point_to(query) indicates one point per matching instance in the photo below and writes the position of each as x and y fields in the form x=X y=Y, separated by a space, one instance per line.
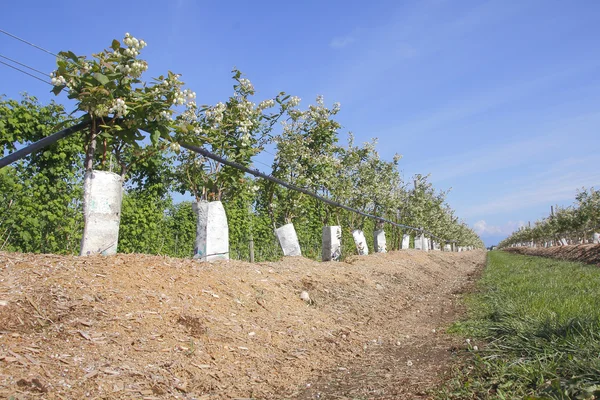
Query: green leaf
x=101 y=78
x=72 y=56
x=115 y=44
x=155 y=136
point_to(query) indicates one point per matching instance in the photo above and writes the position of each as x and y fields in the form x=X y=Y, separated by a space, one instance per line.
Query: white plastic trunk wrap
x=405 y=241
x=212 y=231
x=332 y=243
x=102 y=197
x=360 y=242
x=419 y=242
x=596 y=238
x=288 y=240
x=379 y=241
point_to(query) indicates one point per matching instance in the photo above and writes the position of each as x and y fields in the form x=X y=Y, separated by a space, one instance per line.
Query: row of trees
x=135 y=130
x=574 y=223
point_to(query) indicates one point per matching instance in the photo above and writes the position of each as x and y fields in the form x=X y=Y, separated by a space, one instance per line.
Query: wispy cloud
x=549 y=142
x=488 y=159
x=558 y=188
x=341 y=41
x=483 y=229
x=414 y=31
x=468 y=106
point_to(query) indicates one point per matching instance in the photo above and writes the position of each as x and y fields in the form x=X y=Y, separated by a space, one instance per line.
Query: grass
x=536 y=322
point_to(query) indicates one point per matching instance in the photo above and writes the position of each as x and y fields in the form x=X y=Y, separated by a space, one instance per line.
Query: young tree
x=125 y=112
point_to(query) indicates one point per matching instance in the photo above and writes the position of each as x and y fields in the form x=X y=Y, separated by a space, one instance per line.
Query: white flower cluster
x=134 y=45
x=294 y=101
x=216 y=113
x=58 y=80
x=246 y=120
x=266 y=104
x=336 y=107
x=186 y=96
x=135 y=69
x=246 y=85
x=244 y=127
x=119 y=108
x=165 y=116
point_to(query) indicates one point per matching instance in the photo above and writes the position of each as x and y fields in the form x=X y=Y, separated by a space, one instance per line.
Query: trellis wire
x=270 y=178
x=19 y=154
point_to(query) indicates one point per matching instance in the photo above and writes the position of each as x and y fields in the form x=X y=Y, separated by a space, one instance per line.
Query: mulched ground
x=138 y=326
x=585 y=253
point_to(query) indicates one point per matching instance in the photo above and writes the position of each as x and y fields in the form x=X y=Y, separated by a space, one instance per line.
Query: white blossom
x=246 y=85
x=119 y=108
x=294 y=101
x=59 y=81
x=266 y=104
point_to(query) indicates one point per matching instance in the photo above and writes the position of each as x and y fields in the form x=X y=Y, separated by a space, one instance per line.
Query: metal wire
x=25 y=72
x=271 y=178
x=24 y=65
x=29 y=43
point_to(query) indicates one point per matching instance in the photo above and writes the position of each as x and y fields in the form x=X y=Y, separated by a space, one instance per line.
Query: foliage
x=576 y=222
x=305 y=158
x=138 y=124
x=40 y=209
x=109 y=88
x=540 y=319
x=235 y=130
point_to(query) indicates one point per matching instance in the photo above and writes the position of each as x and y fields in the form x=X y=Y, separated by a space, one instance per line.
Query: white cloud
x=482 y=228
x=547 y=142
x=341 y=41
x=558 y=188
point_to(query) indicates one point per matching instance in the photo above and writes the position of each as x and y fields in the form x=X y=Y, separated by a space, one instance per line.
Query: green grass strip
x=536 y=323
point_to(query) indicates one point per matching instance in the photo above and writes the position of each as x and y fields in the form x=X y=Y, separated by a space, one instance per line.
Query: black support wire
x=25 y=72
x=270 y=178
x=47 y=141
x=29 y=43
x=24 y=65
x=42 y=143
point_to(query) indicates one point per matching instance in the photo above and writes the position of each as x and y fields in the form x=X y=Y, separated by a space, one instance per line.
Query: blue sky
x=499 y=100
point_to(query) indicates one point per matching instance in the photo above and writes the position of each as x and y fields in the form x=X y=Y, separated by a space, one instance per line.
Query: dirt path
x=135 y=326
x=411 y=354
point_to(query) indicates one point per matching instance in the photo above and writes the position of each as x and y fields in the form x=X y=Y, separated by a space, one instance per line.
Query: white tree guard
x=379 y=241
x=426 y=244
x=288 y=240
x=596 y=238
x=360 y=242
x=563 y=241
x=405 y=241
x=212 y=231
x=332 y=243
x=419 y=242
x=447 y=247
x=102 y=197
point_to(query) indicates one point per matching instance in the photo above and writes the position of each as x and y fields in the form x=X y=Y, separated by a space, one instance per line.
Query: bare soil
x=138 y=326
x=585 y=253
